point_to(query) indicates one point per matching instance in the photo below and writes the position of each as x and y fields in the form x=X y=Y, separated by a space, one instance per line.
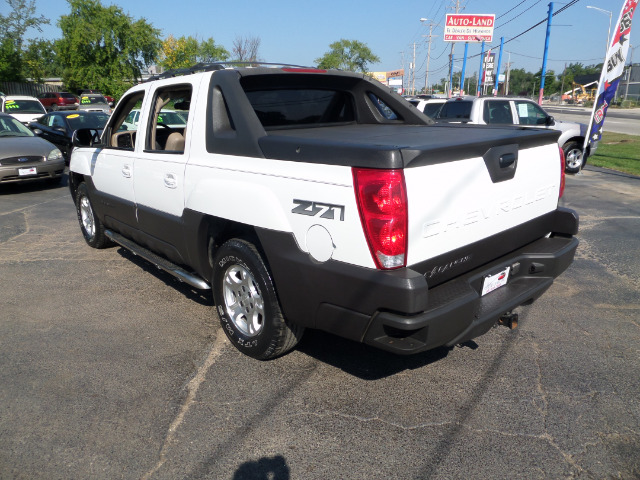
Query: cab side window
x=167 y=127
x=530 y=114
x=497 y=112
x=122 y=133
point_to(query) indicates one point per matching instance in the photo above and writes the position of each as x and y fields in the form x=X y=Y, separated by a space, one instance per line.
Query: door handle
x=126 y=171
x=170 y=181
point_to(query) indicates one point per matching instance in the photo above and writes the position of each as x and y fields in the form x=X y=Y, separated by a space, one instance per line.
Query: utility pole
x=413 y=68
x=546 y=51
x=629 y=70
x=564 y=72
x=506 y=89
x=457 y=9
x=431 y=25
x=402 y=56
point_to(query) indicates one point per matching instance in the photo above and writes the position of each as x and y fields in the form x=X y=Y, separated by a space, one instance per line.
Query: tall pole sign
x=469 y=28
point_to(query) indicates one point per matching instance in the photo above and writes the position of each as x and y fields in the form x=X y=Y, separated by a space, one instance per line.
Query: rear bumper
x=457 y=312
x=398 y=310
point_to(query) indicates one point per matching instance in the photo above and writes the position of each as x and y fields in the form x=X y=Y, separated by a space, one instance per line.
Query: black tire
x=247 y=303
x=573 y=157
x=90 y=225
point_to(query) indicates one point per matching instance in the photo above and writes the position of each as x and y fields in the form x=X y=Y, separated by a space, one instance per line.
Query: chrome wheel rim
x=243 y=300
x=574 y=158
x=86 y=216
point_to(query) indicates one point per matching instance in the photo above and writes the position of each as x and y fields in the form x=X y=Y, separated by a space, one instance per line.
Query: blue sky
x=298 y=32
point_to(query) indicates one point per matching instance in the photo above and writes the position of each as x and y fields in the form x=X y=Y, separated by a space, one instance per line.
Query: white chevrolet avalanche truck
x=306 y=198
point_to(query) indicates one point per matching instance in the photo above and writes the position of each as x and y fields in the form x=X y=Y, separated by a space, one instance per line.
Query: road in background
x=617 y=121
x=110 y=368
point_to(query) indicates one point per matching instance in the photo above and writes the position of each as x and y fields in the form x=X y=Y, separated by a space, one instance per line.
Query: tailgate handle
x=507 y=160
x=501 y=162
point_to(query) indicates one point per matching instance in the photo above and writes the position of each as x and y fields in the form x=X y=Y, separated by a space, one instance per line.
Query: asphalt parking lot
x=110 y=368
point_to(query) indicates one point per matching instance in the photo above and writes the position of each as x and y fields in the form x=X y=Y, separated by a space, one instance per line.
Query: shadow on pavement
x=363 y=361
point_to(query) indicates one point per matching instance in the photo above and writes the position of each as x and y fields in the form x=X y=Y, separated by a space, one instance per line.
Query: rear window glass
x=67 y=95
x=456 y=109
x=77 y=120
x=291 y=107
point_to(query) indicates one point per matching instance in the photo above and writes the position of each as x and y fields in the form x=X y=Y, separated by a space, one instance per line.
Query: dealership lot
x=110 y=368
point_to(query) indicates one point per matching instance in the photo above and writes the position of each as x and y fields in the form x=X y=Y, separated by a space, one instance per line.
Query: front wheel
x=247 y=303
x=90 y=225
x=573 y=157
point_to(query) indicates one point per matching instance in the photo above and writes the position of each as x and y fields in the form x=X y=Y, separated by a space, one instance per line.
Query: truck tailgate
x=460 y=210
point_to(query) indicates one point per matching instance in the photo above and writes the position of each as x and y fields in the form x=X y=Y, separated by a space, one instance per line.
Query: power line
x=511 y=10
x=520 y=14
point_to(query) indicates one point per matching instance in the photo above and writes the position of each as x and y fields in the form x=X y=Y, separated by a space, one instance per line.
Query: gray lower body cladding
x=398 y=310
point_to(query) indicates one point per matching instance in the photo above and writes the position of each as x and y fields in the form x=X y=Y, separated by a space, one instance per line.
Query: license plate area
x=495 y=281
x=23 y=172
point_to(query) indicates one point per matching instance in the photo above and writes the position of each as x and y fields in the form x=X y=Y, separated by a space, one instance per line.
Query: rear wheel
x=573 y=157
x=247 y=303
x=90 y=225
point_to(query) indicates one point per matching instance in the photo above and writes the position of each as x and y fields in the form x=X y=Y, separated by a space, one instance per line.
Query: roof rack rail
x=208 y=67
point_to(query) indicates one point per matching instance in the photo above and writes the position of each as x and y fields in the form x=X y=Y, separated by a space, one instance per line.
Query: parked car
x=110 y=99
x=25 y=157
x=430 y=107
x=53 y=101
x=169 y=118
x=25 y=109
x=522 y=112
x=59 y=127
x=94 y=102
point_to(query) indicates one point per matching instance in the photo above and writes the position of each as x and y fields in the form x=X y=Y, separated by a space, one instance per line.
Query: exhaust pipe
x=509 y=319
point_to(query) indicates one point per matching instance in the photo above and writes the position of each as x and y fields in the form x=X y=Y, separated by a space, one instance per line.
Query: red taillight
x=382 y=203
x=562 y=175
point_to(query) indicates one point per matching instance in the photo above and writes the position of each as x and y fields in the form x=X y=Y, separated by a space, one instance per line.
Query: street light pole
x=609 y=31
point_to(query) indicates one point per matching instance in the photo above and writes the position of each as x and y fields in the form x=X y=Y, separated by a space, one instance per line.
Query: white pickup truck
x=523 y=113
x=306 y=198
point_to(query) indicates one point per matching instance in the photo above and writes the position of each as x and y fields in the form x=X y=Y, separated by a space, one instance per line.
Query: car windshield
x=10 y=127
x=86 y=100
x=77 y=121
x=456 y=109
x=23 y=106
x=171 y=118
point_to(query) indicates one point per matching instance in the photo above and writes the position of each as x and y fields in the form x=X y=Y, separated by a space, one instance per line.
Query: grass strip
x=618 y=152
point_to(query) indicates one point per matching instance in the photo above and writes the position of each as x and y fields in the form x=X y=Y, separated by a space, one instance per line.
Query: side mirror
x=37 y=131
x=60 y=129
x=86 y=137
x=550 y=121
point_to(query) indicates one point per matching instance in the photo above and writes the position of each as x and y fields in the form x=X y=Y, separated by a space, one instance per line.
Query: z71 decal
x=311 y=209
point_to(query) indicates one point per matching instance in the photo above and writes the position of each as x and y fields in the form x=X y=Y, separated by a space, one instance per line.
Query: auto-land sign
x=469 y=28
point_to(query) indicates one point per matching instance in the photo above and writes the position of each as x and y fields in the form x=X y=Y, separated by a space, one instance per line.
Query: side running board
x=162 y=263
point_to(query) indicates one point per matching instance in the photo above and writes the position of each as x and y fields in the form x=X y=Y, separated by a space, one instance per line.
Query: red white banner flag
x=612 y=72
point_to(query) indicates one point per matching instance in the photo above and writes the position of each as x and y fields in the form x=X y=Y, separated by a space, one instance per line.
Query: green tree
x=12 y=29
x=184 y=52
x=350 y=55
x=104 y=48
x=209 y=52
x=39 y=60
